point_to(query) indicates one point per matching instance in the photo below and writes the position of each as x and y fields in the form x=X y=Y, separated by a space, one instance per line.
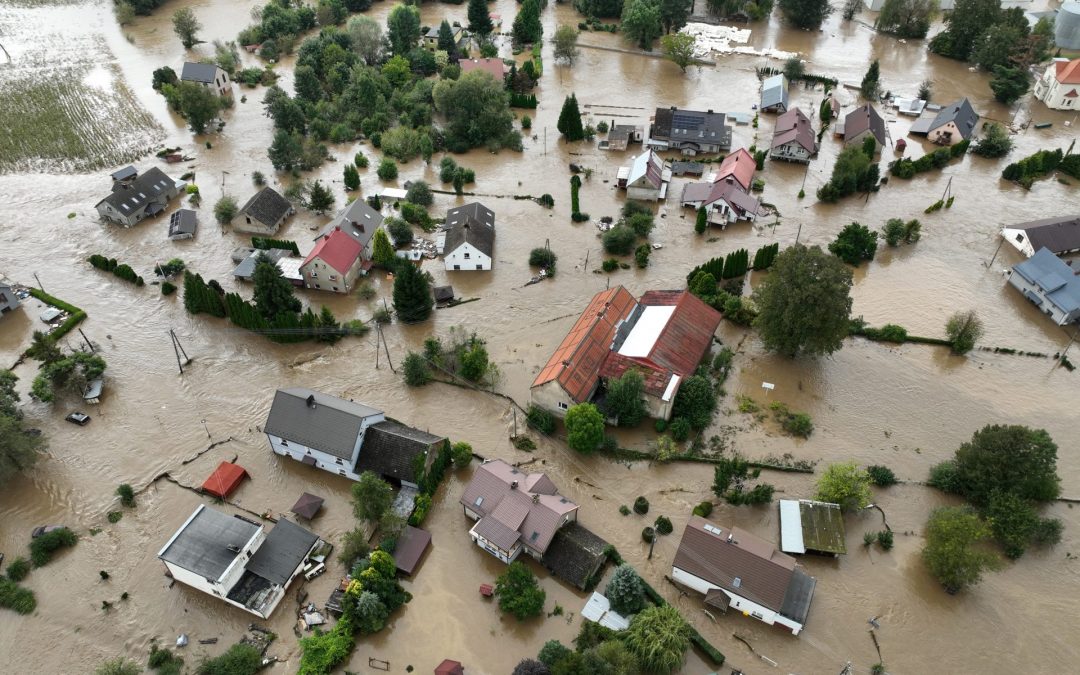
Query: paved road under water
x=907 y=407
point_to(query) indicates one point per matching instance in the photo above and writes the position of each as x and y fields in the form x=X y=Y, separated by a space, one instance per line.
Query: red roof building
x=494 y=66
x=664 y=336
x=741 y=166
x=449 y=667
x=225 y=479
x=334 y=263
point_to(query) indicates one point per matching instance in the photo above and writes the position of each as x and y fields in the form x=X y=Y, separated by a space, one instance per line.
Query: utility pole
x=948 y=188
x=798 y=234
x=223 y=174
x=88 y=344
x=545 y=140
x=207 y=430
x=1071 y=341
x=178 y=349
x=996 y=252
x=39 y=282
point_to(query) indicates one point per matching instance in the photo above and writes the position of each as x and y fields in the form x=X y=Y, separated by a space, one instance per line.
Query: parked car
x=78 y=418
x=44 y=529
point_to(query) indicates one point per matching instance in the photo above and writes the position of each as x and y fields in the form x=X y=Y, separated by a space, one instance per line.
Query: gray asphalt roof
x=1056 y=279
x=125 y=173
x=202 y=545
x=282 y=552
x=800 y=592
x=358 y=220
x=774 y=91
x=129 y=199
x=182 y=221
x=1057 y=234
x=198 y=72
x=473 y=223
x=332 y=426
x=961 y=113
x=267 y=206
x=691 y=125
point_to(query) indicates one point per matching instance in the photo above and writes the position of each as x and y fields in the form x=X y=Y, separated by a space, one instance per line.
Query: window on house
x=338 y=461
x=284 y=443
x=457 y=267
x=563 y=406
x=341 y=472
x=332 y=277
x=479 y=267
x=466 y=256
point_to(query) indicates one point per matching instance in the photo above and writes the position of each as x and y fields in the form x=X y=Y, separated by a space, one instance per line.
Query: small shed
x=307 y=506
x=449 y=667
x=810 y=526
x=598 y=610
x=225 y=479
x=92 y=393
x=410 y=548
x=390 y=195
x=443 y=293
x=774 y=94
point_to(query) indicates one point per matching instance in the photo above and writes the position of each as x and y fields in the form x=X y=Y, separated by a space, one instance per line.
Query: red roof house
x=334 y=263
x=740 y=165
x=664 y=336
x=449 y=667
x=225 y=479
x=494 y=66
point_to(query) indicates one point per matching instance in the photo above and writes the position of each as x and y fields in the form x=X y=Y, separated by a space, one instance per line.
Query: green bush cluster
x=766 y=71
x=1033 y=166
x=764 y=256
x=703 y=509
x=855 y=170
x=266 y=243
x=540 y=419
x=16 y=598
x=18 y=568
x=170 y=269
x=575 y=212
x=168 y=288
x=119 y=269
x=907 y=168
x=43 y=547
x=641 y=505
x=663 y=525
x=518 y=100
x=794 y=423
x=423 y=505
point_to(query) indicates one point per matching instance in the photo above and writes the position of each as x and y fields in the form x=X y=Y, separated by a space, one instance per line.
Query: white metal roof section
x=791 y=535
x=672 y=385
x=598 y=610
x=649 y=325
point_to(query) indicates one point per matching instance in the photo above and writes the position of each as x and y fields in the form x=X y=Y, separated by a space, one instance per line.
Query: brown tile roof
x=494 y=66
x=1068 y=72
x=764 y=573
x=410 y=548
x=576 y=362
x=510 y=513
x=862 y=118
x=740 y=165
x=688 y=333
x=794 y=126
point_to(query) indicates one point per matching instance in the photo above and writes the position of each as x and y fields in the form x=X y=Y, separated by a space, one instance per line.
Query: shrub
x=610 y=265
x=423 y=505
x=164 y=661
x=18 y=568
x=648 y=535
x=641 y=506
x=868 y=539
x=387 y=169
x=225 y=209
x=462 y=454
x=43 y=547
x=415 y=368
x=944 y=477
x=168 y=288
x=885 y=539
x=126 y=494
x=663 y=525
x=16 y=598
x=526 y=122
x=882 y=476
x=400 y=231
x=584 y=427
x=619 y=240
x=542 y=257
x=680 y=429
x=844 y=484
x=951 y=552
x=519 y=593
x=703 y=509
x=854 y=244
x=540 y=419
x=624 y=510
x=625 y=591
x=419 y=192
x=354 y=546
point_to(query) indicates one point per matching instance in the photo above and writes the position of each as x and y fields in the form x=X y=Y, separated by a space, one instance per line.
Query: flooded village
x=261 y=451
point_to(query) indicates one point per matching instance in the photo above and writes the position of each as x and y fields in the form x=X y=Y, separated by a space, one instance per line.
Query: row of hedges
x=76 y=315
x=907 y=168
x=1033 y=166
x=736 y=263
x=265 y=244
x=119 y=269
x=522 y=100
x=764 y=257
x=829 y=82
x=891 y=333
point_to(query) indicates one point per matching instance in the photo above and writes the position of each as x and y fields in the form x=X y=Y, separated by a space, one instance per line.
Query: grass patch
x=16 y=598
x=56 y=120
x=42 y=548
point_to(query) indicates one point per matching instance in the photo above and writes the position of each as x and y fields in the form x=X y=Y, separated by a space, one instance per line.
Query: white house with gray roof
x=236 y=560
x=470 y=238
x=264 y=213
x=359 y=221
x=953 y=123
x=208 y=75
x=347 y=438
x=8 y=300
x=1050 y=284
x=136 y=198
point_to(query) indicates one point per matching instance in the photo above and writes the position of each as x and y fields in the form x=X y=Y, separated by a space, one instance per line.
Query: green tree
x=19 y=450
x=118 y=666
x=871 y=82
x=320 y=198
x=794 y=69
x=730 y=477
x=480 y=18
x=1009 y=83
x=387 y=169
x=239 y=659
x=964 y=329
x=996 y=142
x=679 y=48
x=806 y=13
x=898 y=232
x=351 y=178
x=462 y=454
x=855 y=171
x=446 y=41
x=565 y=42
x=371 y=497
x=382 y=250
x=416 y=370
x=413 y=301
x=366 y=37
x=474 y=361
x=527 y=28
x=641 y=22
x=419 y=192
x=624 y=400
x=286 y=150
x=552 y=652
x=854 y=244
x=1010 y=459
x=584 y=427
x=695 y=401
x=225 y=209
x=625 y=591
x=71 y=374
x=804 y=305
x=619 y=240
x=403 y=28
x=531 y=667
x=477 y=110
x=906 y=18
x=845 y=484
x=186 y=26
x=198 y=105
x=951 y=551
x=702 y=220
x=370 y=613
x=569 y=124
x=519 y=593
x=659 y=638
x=997 y=45
x=273 y=293
x=963 y=26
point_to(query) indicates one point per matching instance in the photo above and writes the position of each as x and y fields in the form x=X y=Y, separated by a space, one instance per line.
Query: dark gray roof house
x=280 y=553
x=471 y=228
x=263 y=213
x=127 y=173
x=390 y=450
x=135 y=199
x=575 y=554
x=182 y=224
x=954 y=123
x=319 y=421
x=204 y=73
x=8 y=299
x=690 y=131
x=862 y=122
x=204 y=546
x=1059 y=235
x=359 y=221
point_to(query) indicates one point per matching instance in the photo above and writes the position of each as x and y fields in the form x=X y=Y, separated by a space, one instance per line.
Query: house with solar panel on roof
x=236 y=559
x=689 y=131
x=136 y=196
x=663 y=335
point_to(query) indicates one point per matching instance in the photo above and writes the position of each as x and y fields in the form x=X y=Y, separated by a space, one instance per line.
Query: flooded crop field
x=906 y=406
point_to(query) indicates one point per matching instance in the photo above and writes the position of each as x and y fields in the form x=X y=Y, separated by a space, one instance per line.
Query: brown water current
x=904 y=406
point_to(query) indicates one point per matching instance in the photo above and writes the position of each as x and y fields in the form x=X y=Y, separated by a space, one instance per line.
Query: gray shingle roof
x=130 y=199
x=960 y=113
x=473 y=223
x=267 y=206
x=198 y=72
x=284 y=548
x=127 y=173
x=774 y=92
x=575 y=554
x=1060 y=235
x=691 y=125
x=202 y=545
x=246 y=269
x=391 y=448
x=332 y=426
x=862 y=118
x=182 y=221
x=358 y=220
x=8 y=299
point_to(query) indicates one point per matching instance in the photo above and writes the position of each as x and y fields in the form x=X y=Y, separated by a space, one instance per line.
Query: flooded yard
x=904 y=406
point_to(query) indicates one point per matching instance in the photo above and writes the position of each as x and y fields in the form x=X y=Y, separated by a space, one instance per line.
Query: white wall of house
x=857 y=140
x=748 y=608
x=1059 y=316
x=552 y=397
x=324 y=460
x=946 y=134
x=245 y=223
x=502 y=554
x=317 y=274
x=467 y=257
x=642 y=190
x=1019 y=240
x=790 y=151
x=1052 y=93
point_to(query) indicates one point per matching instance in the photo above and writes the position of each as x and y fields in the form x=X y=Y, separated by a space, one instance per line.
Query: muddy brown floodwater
x=907 y=406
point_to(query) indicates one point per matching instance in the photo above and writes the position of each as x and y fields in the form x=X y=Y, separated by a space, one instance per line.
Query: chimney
x=311 y=401
x=536 y=499
x=729 y=537
x=513 y=485
x=710 y=111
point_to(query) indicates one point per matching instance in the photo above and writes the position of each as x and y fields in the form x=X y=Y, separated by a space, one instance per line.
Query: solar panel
x=687 y=121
